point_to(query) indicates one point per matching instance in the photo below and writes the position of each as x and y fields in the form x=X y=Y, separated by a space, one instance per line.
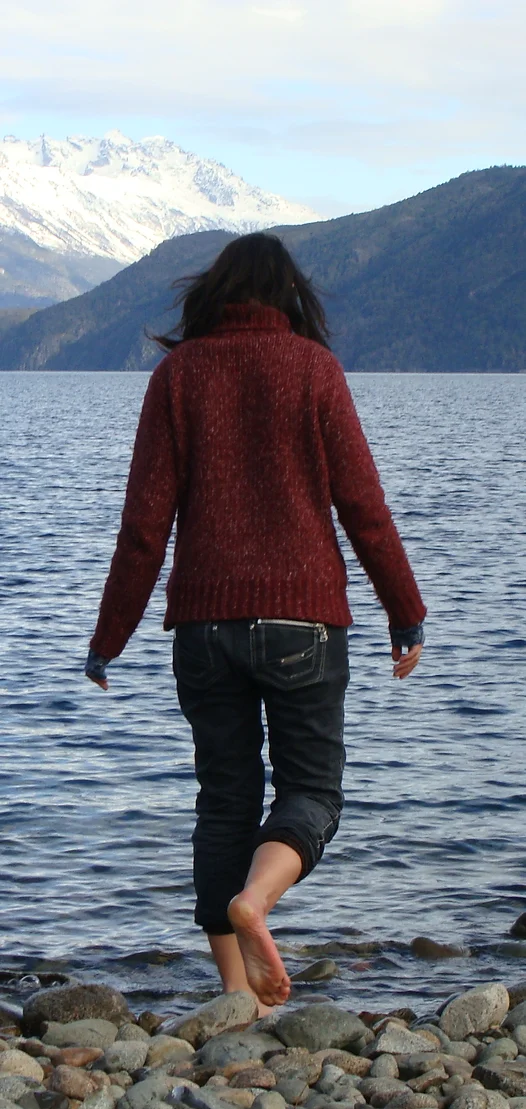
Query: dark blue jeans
x=225 y=671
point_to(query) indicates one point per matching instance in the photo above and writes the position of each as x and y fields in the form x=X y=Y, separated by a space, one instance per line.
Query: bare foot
x=265 y=971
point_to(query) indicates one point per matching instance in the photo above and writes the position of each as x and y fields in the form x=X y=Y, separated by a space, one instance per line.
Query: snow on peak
x=117 y=198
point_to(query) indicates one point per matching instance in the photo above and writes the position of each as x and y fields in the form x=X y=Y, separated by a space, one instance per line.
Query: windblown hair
x=255 y=267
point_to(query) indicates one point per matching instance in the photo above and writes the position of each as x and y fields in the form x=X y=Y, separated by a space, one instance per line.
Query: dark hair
x=255 y=267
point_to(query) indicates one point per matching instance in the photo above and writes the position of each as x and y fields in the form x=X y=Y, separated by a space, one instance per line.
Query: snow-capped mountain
x=117 y=199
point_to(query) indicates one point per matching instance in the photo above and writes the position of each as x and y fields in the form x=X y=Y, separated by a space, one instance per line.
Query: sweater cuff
x=407 y=637
x=96 y=665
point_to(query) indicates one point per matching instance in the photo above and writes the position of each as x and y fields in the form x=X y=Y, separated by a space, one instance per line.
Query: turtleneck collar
x=252 y=317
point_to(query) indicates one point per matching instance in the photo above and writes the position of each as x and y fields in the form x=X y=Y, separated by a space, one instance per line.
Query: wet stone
x=320 y=971
x=64 y=1004
x=424 y=948
x=318 y=1026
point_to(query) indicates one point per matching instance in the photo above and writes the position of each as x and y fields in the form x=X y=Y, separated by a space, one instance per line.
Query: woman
x=248 y=434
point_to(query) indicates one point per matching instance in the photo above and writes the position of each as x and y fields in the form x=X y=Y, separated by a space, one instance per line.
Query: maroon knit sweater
x=248 y=436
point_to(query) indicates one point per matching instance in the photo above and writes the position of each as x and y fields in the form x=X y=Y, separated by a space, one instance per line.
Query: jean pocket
x=292 y=654
x=194 y=661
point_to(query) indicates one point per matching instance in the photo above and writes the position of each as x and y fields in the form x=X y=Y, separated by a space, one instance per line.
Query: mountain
x=436 y=282
x=73 y=213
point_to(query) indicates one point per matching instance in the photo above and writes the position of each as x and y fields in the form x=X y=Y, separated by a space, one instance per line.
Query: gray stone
x=517 y=993
x=473 y=1098
x=411 y=1066
x=409 y=1100
x=17 y=1062
x=513 y=1102
x=228 y=1011
x=126 y=1055
x=92 y=1032
x=43 y=1099
x=431 y=1078
x=235 y=1047
x=271 y=1099
x=504 y=1048
x=384 y=1088
x=475 y=1011
x=329 y=1075
x=384 y=1066
x=320 y=971
x=294 y=1090
x=395 y=1040
x=133 y=1032
x=508 y=1077
x=64 y=1004
x=101 y=1099
x=5 y=1103
x=13 y=1088
x=462 y=1050
x=296 y=1063
x=345 y=1090
x=428 y=1026
x=455 y=1065
x=319 y=1026
x=167 y=1049
x=148 y=1093
x=516 y=1016
x=519 y=1036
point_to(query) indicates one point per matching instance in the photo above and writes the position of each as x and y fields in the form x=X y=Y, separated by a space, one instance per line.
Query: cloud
x=378 y=80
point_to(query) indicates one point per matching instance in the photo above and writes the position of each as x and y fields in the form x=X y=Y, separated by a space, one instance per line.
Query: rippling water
x=96 y=804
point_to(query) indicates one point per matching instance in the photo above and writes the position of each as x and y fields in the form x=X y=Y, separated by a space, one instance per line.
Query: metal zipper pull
x=324 y=635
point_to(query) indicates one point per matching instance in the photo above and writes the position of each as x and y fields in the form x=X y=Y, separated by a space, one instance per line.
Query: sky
x=344 y=105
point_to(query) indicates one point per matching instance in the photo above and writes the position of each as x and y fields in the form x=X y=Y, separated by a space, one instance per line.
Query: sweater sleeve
x=359 y=500
x=147 y=519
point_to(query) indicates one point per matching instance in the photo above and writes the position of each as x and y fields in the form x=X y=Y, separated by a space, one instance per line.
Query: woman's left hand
x=95 y=669
x=405 y=664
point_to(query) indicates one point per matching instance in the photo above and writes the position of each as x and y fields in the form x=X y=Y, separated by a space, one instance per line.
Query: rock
x=411 y=1066
x=234 y=1047
x=504 y=1049
x=5 y=1103
x=425 y=948
x=36 y=1048
x=384 y=1066
x=329 y=1075
x=231 y=1069
x=516 y=1016
x=64 y=1004
x=150 y=1093
x=508 y=1077
x=409 y=1100
x=260 y=1077
x=296 y=1063
x=517 y=993
x=214 y=1099
x=475 y=1011
x=72 y=1082
x=351 y=1064
x=462 y=1050
x=424 y=1082
x=454 y=1064
x=101 y=1099
x=273 y=1100
x=164 y=1049
x=294 y=1090
x=129 y=1031
x=519 y=1037
x=43 y=1099
x=126 y=1055
x=241 y=1098
x=217 y=1080
x=395 y=1040
x=427 y=1026
x=21 y=1064
x=150 y=1022
x=228 y=1011
x=77 y=1056
x=518 y=929
x=121 y=1079
x=382 y=1089
x=91 y=1032
x=513 y=1102
x=473 y=1098
x=320 y=971
x=319 y=1026
x=12 y=1087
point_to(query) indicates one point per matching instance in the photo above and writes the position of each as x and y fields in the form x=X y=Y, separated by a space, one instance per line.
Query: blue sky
x=343 y=104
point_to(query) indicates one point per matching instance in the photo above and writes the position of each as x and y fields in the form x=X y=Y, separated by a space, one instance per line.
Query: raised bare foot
x=264 y=968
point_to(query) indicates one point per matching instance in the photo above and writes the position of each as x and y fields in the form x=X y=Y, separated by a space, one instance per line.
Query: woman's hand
x=405 y=664
x=96 y=669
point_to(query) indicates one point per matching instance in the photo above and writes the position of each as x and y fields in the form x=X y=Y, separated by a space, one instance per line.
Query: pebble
x=93 y=1032
x=409 y=1100
x=384 y=1066
x=18 y=1062
x=425 y=948
x=272 y=1100
x=320 y=971
x=127 y=1055
x=260 y=1077
x=351 y=1064
x=149 y=1092
x=225 y=1012
x=233 y=1047
x=64 y=1004
x=507 y=1077
x=102 y=1099
x=475 y=1011
x=462 y=1050
x=72 y=1082
x=294 y=1090
x=319 y=1026
x=519 y=1036
x=383 y=1088
x=395 y=1040
x=504 y=1048
x=296 y=1063
x=76 y=1056
x=13 y=1087
x=163 y=1049
x=133 y=1032
x=516 y=1016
